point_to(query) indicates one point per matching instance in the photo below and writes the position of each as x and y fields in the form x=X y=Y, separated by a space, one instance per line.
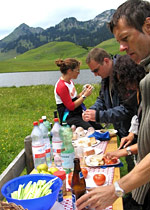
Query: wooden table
x=111 y=146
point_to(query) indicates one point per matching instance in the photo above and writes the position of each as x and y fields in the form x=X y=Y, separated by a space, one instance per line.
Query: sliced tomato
x=109 y=161
x=99 y=179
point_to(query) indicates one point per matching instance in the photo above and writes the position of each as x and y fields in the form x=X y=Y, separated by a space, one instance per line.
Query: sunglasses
x=96 y=70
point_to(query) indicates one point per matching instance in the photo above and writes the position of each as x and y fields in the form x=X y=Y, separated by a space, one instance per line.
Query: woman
x=70 y=105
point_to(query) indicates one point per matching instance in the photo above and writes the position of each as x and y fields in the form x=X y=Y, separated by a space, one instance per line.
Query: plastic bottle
x=68 y=154
x=49 y=126
x=38 y=149
x=46 y=141
x=56 y=143
x=78 y=185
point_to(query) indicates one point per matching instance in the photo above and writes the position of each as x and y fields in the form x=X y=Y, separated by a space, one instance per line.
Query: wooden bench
x=23 y=160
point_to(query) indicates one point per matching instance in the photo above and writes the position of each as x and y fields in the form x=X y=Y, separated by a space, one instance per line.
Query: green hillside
x=111 y=46
x=43 y=58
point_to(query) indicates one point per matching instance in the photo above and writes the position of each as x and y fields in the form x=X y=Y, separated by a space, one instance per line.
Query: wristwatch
x=83 y=96
x=129 y=151
x=118 y=190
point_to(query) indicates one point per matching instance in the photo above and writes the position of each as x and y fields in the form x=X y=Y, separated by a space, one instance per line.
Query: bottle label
x=57 y=147
x=74 y=201
x=80 y=175
x=67 y=159
x=60 y=196
x=38 y=151
x=47 y=145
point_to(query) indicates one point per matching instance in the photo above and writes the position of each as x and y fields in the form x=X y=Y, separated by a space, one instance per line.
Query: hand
x=98 y=198
x=88 y=91
x=125 y=141
x=116 y=153
x=89 y=115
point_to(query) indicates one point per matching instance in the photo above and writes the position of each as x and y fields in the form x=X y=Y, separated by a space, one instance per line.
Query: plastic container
x=46 y=141
x=38 y=148
x=56 y=140
x=62 y=192
x=45 y=202
x=68 y=154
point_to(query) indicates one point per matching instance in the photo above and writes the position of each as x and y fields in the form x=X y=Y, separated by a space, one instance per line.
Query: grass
x=19 y=107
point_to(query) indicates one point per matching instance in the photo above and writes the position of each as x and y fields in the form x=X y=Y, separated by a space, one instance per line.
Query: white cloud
x=47 y=13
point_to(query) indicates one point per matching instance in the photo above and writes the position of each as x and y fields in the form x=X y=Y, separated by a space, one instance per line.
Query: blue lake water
x=43 y=78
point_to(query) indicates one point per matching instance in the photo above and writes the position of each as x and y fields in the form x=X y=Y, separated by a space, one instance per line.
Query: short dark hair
x=126 y=71
x=68 y=63
x=135 y=13
x=98 y=55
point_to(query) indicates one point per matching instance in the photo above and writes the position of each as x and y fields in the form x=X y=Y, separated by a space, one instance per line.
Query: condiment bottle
x=78 y=185
x=62 y=176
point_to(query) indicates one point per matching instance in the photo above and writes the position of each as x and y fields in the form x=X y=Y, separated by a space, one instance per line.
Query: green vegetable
x=33 y=190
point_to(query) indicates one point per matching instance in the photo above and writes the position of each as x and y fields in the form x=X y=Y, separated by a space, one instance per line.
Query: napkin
x=100 y=136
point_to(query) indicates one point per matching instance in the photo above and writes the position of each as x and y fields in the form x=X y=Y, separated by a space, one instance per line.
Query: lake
x=43 y=78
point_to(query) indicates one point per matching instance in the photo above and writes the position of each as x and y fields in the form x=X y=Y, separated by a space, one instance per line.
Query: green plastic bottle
x=68 y=154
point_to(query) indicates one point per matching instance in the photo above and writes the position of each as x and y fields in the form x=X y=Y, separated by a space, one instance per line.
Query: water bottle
x=56 y=143
x=46 y=141
x=38 y=148
x=68 y=154
x=49 y=126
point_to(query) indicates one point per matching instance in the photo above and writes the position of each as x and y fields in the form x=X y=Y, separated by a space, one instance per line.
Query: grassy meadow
x=19 y=107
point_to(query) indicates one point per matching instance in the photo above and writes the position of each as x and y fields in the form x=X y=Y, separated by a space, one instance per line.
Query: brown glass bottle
x=78 y=185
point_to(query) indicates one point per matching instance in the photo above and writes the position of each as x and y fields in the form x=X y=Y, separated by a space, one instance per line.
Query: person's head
x=127 y=75
x=130 y=25
x=69 y=66
x=100 y=62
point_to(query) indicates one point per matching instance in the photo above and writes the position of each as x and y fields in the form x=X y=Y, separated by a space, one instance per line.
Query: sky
x=47 y=13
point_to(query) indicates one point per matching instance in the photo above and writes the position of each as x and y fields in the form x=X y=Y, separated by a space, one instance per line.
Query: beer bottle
x=78 y=185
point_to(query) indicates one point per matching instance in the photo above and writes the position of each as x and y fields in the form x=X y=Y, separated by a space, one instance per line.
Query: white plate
x=88 y=163
x=89 y=180
x=77 y=142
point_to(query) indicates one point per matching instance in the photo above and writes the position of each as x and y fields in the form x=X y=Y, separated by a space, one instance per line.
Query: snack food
x=89 y=151
x=112 y=132
x=97 y=160
x=10 y=206
x=93 y=140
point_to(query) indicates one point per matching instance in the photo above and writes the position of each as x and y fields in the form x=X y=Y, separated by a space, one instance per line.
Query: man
x=131 y=27
x=109 y=107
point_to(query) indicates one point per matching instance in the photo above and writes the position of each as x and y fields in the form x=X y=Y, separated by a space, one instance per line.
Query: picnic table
x=118 y=204
x=25 y=160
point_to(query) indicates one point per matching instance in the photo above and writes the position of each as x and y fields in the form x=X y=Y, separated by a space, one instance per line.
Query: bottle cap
x=56 y=119
x=40 y=120
x=60 y=174
x=35 y=123
x=44 y=117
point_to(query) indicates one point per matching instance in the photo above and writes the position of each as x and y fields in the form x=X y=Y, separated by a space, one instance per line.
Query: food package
x=10 y=206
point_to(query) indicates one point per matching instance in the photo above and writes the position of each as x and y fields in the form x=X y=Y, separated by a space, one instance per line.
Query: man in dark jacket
x=109 y=107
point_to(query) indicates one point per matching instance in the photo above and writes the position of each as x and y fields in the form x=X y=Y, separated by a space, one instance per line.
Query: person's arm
x=101 y=197
x=63 y=93
x=122 y=152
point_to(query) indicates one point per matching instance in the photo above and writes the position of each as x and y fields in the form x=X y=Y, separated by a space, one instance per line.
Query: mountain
x=83 y=33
